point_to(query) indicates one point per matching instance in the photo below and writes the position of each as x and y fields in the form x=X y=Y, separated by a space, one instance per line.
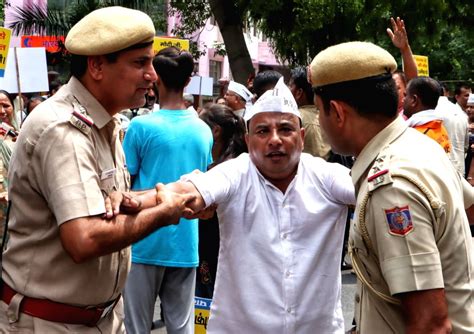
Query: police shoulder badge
x=82 y=122
x=399 y=220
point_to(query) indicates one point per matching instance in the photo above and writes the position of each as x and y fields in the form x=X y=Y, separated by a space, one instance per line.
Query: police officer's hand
x=175 y=204
x=120 y=200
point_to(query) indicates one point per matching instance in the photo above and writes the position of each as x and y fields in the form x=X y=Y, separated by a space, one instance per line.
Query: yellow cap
x=349 y=61
x=109 y=30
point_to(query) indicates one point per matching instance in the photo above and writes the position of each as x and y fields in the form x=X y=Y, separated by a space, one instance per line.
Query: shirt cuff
x=413 y=273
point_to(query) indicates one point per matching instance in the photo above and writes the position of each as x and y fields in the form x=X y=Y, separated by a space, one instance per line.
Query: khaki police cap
x=108 y=30
x=349 y=61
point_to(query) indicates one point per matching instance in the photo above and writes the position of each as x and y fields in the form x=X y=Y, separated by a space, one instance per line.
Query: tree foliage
x=299 y=29
x=33 y=19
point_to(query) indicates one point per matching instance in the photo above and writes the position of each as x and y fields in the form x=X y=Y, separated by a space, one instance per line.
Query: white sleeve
x=340 y=184
x=216 y=185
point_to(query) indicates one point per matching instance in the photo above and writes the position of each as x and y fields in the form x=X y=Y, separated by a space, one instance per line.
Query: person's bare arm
x=399 y=39
x=425 y=312
x=89 y=237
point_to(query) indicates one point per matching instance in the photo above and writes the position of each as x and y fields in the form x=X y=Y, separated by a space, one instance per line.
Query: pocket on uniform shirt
x=107 y=180
x=107 y=186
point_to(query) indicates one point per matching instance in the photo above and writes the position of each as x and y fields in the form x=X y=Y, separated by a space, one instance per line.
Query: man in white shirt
x=282 y=215
x=456 y=123
x=237 y=97
x=461 y=94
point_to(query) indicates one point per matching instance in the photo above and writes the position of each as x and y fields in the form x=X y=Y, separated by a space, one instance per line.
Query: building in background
x=213 y=63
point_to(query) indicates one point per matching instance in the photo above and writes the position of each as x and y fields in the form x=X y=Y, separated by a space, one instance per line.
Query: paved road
x=348 y=291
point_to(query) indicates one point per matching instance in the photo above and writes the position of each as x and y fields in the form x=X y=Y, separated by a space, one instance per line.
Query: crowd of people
x=123 y=190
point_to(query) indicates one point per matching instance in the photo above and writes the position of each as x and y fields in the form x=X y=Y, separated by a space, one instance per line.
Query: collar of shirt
x=310 y=107
x=270 y=184
x=94 y=109
x=373 y=148
x=240 y=112
x=424 y=117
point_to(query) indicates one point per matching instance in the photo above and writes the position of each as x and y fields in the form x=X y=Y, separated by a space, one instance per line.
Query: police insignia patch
x=399 y=220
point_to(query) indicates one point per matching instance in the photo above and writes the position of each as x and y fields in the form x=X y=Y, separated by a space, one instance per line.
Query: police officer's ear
x=339 y=111
x=95 y=66
x=298 y=94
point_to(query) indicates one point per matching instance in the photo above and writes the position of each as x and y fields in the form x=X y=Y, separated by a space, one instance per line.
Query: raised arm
x=399 y=39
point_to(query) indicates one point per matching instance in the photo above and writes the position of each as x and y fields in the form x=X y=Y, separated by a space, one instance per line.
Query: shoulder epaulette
x=379 y=174
x=81 y=120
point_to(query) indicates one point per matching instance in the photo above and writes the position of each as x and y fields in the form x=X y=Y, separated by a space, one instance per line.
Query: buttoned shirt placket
x=288 y=260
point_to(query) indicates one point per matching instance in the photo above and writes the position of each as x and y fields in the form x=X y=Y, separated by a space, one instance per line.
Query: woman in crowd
x=33 y=102
x=8 y=132
x=8 y=136
x=228 y=131
x=6 y=108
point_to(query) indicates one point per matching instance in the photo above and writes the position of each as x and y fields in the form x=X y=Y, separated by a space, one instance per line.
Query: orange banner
x=50 y=43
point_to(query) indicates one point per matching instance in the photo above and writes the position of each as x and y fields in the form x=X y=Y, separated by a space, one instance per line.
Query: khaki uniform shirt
x=61 y=170
x=414 y=247
x=315 y=141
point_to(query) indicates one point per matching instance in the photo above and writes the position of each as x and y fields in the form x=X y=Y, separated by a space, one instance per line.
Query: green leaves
x=33 y=19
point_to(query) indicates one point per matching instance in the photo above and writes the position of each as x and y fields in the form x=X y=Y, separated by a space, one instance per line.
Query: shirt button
x=284 y=236
x=287 y=274
x=357 y=298
x=288 y=310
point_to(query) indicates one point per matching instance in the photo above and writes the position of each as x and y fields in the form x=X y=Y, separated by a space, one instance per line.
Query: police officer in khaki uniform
x=410 y=241
x=65 y=265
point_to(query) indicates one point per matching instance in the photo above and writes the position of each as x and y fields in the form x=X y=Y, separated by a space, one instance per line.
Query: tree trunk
x=230 y=21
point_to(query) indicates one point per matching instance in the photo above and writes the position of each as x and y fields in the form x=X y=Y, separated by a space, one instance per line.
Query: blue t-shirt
x=161 y=147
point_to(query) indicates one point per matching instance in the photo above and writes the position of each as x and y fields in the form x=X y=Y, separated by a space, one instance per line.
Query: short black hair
x=373 y=97
x=78 y=65
x=264 y=81
x=300 y=80
x=427 y=90
x=443 y=88
x=174 y=67
x=458 y=88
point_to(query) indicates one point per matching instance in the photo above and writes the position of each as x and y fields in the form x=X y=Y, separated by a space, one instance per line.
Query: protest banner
x=50 y=43
x=5 y=35
x=26 y=71
x=161 y=43
x=422 y=65
x=202 y=307
x=200 y=86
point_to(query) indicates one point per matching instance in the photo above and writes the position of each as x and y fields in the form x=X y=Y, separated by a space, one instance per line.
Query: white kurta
x=280 y=254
